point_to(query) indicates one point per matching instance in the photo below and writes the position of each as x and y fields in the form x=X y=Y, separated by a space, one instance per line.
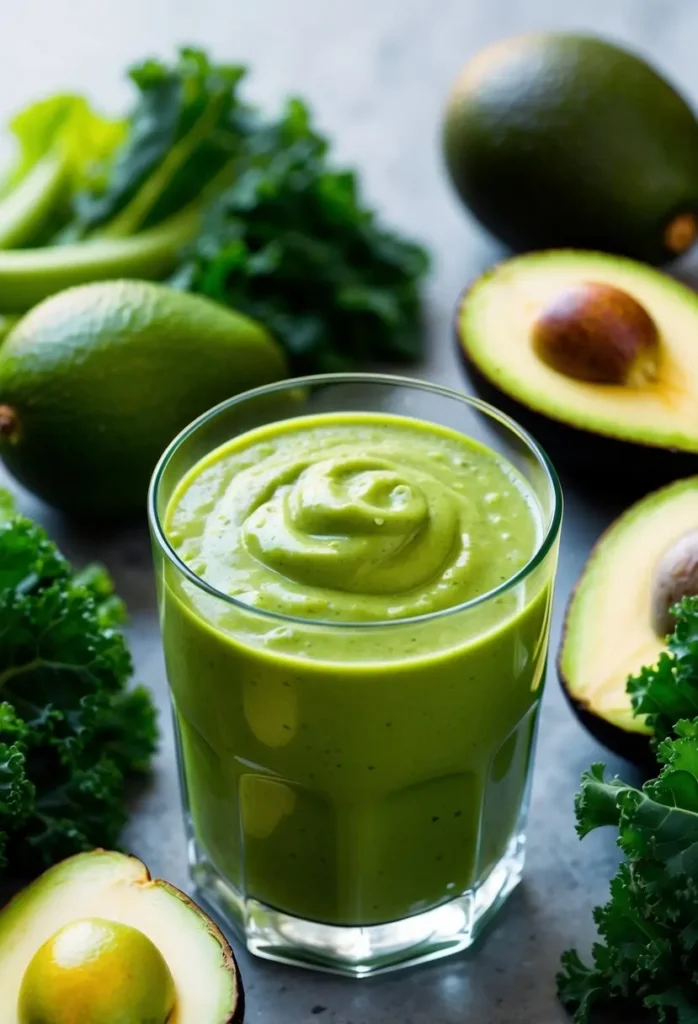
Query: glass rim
x=548 y=539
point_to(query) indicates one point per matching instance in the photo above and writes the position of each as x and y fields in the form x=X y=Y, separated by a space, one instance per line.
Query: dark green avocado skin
x=631 y=746
x=565 y=140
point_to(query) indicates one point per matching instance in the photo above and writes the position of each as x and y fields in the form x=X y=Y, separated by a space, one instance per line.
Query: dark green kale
x=647 y=956
x=290 y=244
x=71 y=733
x=668 y=691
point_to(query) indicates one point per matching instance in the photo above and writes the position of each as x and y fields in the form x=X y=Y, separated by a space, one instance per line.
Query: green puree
x=349 y=772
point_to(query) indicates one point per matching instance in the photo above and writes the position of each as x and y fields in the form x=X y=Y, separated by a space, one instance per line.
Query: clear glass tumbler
x=352 y=806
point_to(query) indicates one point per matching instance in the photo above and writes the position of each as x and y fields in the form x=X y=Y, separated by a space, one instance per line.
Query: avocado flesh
x=495 y=322
x=118 y=888
x=608 y=631
x=103 y=376
x=564 y=139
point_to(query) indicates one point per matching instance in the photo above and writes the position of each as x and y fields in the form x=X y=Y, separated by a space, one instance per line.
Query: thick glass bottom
x=358 y=951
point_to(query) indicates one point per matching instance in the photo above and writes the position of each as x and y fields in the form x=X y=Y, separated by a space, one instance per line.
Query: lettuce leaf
x=65 y=124
x=59 y=141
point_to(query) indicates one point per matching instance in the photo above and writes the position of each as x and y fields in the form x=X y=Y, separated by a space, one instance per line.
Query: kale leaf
x=71 y=733
x=183 y=132
x=668 y=691
x=290 y=244
x=647 y=954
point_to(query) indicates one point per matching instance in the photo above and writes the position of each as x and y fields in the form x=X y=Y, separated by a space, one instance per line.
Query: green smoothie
x=355 y=746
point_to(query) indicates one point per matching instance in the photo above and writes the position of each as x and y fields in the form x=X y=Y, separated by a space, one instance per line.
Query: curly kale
x=647 y=956
x=71 y=733
x=668 y=691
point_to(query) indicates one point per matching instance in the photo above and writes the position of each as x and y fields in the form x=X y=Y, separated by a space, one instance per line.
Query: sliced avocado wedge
x=117 y=888
x=596 y=354
x=614 y=626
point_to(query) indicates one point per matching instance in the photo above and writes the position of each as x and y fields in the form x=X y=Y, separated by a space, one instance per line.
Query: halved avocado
x=597 y=355
x=616 y=619
x=118 y=888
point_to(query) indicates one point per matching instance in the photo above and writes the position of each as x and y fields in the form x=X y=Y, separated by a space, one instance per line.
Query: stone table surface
x=376 y=73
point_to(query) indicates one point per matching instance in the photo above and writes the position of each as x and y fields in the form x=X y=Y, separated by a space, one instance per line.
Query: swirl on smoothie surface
x=355 y=518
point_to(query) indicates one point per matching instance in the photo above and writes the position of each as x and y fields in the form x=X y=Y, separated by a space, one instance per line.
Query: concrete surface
x=376 y=72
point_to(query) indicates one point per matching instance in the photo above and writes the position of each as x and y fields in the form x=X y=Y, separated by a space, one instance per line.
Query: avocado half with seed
x=103 y=890
x=620 y=613
x=597 y=355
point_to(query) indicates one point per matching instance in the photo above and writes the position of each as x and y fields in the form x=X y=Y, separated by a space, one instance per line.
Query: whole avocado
x=98 y=379
x=558 y=140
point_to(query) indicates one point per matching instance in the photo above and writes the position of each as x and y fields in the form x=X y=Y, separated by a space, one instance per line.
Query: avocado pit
x=598 y=333
x=9 y=423
x=675 y=577
x=681 y=233
x=99 y=971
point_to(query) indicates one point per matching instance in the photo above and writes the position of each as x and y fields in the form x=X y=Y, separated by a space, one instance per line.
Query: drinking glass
x=349 y=805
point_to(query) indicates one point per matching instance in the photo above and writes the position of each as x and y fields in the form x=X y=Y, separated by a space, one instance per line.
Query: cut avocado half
x=596 y=354
x=616 y=619
x=117 y=888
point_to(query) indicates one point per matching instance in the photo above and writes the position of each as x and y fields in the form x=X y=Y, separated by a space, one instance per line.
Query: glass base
x=358 y=952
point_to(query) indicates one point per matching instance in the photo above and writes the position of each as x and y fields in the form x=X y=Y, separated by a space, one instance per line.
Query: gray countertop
x=376 y=72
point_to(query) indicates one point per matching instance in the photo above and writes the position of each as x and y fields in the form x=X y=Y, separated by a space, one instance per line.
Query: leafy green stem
x=131 y=218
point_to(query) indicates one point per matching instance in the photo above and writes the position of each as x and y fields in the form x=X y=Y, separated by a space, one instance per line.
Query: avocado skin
x=565 y=140
x=103 y=376
x=595 y=460
x=632 y=747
